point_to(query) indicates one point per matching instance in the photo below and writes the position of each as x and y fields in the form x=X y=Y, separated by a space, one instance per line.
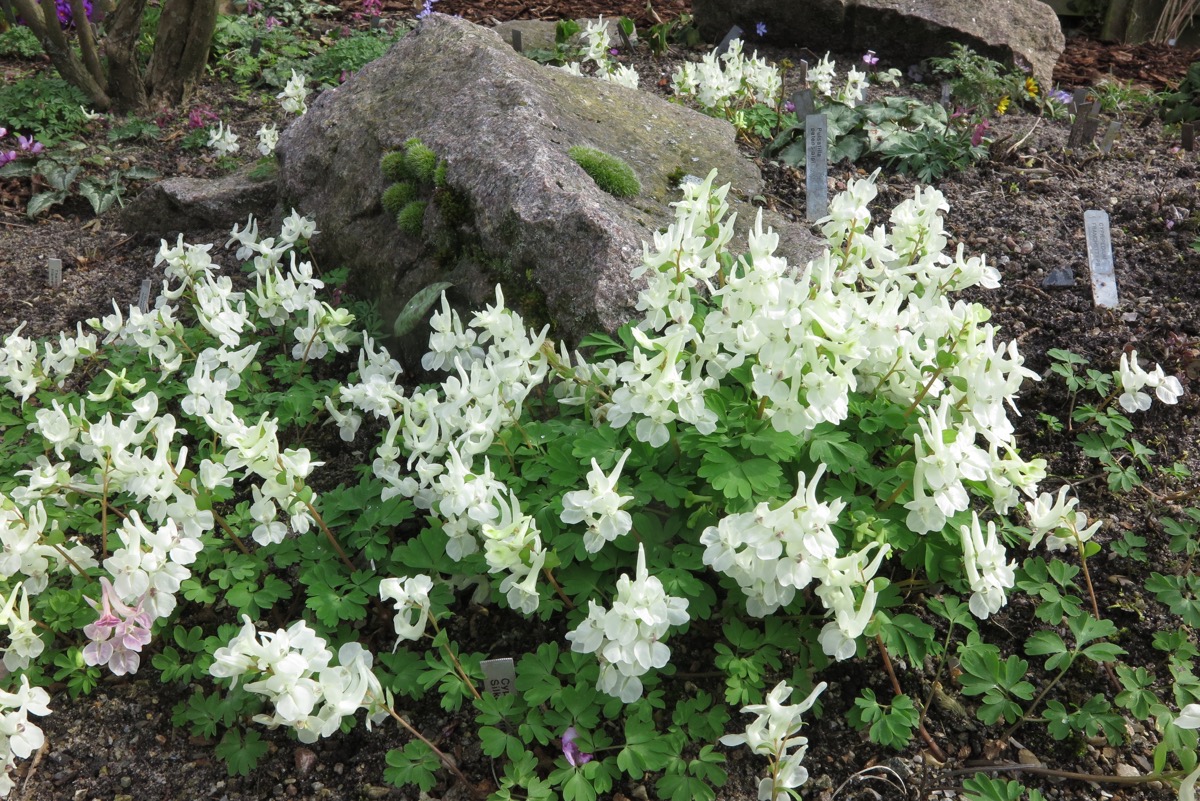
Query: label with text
x=499 y=676
x=1100 y=259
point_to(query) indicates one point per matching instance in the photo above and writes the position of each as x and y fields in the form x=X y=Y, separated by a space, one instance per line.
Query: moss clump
x=412 y=217
x=394 y=166
x=420 y=160
x=439 y=176
x=397 y=196
x=609 y=172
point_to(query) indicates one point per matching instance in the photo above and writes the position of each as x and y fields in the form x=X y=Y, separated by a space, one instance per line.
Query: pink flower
x=118 y=634
x=273 y=22
x=571 y=751
x=870 y=59
x=3 y=132
x=11 y=155
x=980 y=129
x=28 y=145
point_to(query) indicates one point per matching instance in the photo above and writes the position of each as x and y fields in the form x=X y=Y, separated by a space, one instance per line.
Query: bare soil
x=1024 y=209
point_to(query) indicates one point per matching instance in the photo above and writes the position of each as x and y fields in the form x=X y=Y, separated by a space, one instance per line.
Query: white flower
x=223 y=140
x=293 y=94
x=599 y=506
x=1189 y=717
x=268 y=137
x=775 y=732
x=410 y=596
x=628 y=637
x=989 y=575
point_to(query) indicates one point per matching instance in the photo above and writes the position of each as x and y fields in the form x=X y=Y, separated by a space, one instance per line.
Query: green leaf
x=746 y=478
x=417 y=305
x=241 y=752
x=414 y=764
x=42 y=201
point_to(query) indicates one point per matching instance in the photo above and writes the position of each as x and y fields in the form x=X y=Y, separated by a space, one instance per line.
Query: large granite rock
x=1025 y=32
x=534 y=220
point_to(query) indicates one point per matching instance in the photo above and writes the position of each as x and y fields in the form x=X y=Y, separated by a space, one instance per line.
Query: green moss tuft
x=420 y=161
x=397 y=196
x=411 y=218
x=394 y=166
x=439 y=176
x=609 y=172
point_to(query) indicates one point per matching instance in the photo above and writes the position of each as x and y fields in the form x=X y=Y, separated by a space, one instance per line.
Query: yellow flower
x=1002 y=106
x=1031 y=87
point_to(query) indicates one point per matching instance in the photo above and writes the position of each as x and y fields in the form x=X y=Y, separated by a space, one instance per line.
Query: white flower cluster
x=870 y=315
x=494 y=362
x=772 y=553
x=268 y=137
x=1134 y=379
x=600 y=507
x=627 y=638
x=775 y=734
x=988 y=574
x=19 y=736
x=22 y=372
x=23 y=640
x=223 y=140
x=1058 y=521
x=410 y=596
x=596 y=50
x=723 y=83
x=293 y=669
x=292 y=98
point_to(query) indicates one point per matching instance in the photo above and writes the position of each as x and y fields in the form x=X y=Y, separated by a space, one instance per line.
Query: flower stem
x=938 y=754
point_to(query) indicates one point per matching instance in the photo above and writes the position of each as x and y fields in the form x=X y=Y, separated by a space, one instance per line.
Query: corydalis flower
x=293 y=94
x=268 y=137
x=118 y=634
x=599 y=506
x=575 y=757
x=870 y=59
x=223 y=140
x=426 y=10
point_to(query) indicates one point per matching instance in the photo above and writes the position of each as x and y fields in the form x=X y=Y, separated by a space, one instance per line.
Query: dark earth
x=1023 y=209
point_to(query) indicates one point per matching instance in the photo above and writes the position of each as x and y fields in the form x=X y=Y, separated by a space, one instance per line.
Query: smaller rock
x=305 y=759
x=1127 y=770
x=1064 y=276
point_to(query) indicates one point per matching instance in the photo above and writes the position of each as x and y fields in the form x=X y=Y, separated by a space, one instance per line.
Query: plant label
x=802 y=70
x=1091 y=124
x=1110 y=136
x=803 y=102
x=816 y=147
x=1078 y=100
x=499 y=676
x=1100 y=259
x=1078 y=128
x=54 y=272
x=1188 y=133
x=376 y=22
x=734 y=33
x=945 y=94
x=516 y=41
x=144 y=296
x=255 y=47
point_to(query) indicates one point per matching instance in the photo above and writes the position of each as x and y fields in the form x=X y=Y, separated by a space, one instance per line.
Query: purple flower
x=870 y=59
x=200 y=116
x=574 y=756
x=7 y=157
x=253 y=6
x=789 y=106
x=426 y=10
x=373 y=7
x=28 y=145
x=980 y=129
x=761 y=29
x=273 y=22
x=614 y=52
x=3 y=132
x=1061 y=96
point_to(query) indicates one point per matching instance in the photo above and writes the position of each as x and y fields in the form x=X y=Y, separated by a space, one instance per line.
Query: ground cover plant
x=560 y=539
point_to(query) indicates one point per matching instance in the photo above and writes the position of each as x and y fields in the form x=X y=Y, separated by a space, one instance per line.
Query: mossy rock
x=397 y=196
x=394 y=166
x=420 y=161
x=411 y=218
x=610 y=173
